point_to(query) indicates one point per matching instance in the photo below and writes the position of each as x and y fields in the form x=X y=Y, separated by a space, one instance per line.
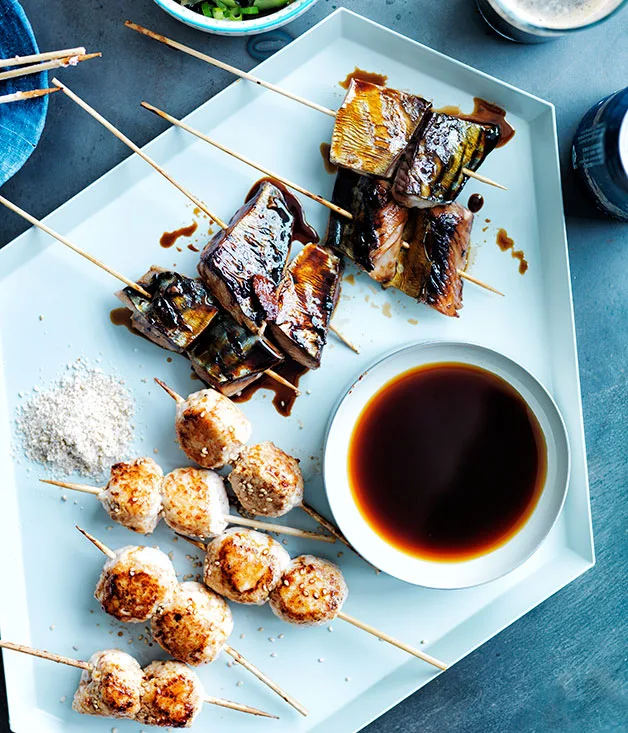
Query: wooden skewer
x=314 y=196
x=20 y=96
x=44 y=654
x=466 y=276
x=265 y=679
x=114 y=130
x=78 y=250
x=391 y=640
x=230 y=650
x=47 y=66
x=37 y=57
x=267 y=85
x=85 y=665
x=231 y=518
x=343 y=338
x=227 y=67
x=483 y=179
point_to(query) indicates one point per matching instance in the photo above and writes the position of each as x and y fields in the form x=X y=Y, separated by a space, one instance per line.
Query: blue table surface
x=563 y=666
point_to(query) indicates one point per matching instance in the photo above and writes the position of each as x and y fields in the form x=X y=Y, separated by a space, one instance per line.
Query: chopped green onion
x=250 y=11
x=218 y=14
x=206 y=9
x=271 y=4
x=234 y=14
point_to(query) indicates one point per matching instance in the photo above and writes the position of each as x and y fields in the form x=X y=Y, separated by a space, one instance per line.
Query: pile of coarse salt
x=82 y=424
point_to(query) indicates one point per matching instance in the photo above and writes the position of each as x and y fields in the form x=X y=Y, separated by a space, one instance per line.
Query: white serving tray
x=48 y=571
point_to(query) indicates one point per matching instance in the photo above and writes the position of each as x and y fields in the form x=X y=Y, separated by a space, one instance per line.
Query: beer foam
x=561 y=14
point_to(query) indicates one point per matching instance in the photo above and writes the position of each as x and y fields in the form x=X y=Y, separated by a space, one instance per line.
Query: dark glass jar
x=600 y=154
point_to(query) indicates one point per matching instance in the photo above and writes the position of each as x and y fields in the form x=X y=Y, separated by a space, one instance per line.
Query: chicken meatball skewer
x=267 y=481
x=193 y=501
x=306 y=591
x=113 y=685
x=188 y=621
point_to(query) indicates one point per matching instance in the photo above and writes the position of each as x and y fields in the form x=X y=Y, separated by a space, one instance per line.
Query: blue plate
x=21 y=123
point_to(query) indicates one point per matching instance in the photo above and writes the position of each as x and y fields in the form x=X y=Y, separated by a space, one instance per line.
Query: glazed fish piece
x=179 y=310
x=229 y=358
x=373 y=127
x=373 y=238
x=306 y=301
x=254 y=248
x=439 y=246
x=430 y=172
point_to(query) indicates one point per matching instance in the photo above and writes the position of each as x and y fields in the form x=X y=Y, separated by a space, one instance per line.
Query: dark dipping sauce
x=362 y=75
x=447 y=462
x=169 y=238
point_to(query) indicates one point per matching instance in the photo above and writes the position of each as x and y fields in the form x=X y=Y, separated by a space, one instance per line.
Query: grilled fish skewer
x=195 y=613
x=106 y=686
x=260 y=82
x=139 y=512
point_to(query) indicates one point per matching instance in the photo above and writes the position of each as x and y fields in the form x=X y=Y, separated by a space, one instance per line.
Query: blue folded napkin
x=21 y=123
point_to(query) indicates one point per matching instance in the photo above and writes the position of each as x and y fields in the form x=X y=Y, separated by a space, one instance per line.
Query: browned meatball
x=111 y=687
x=195 y=502
x=133 y=495
x=211 y=429
x=311 y=592
x=172 y=695
x=193 y=624
x=266 y=480
x=244 y=565
x=134 y=582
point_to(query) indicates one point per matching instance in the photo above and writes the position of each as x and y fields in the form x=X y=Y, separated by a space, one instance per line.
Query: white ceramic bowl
x=446 y=574
x=236 y=28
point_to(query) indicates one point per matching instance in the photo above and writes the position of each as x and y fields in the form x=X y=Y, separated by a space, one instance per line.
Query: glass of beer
x=534 y=21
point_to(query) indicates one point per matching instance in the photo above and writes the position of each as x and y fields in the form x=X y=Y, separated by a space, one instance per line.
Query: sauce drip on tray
x=284 y=397
x=447 y=462
x=475 y=203
x=362 y=75
x=325 y=149
x=505 y=243
x=169 y=238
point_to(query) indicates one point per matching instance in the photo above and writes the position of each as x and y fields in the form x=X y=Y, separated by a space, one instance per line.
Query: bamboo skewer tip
x=391 y=640
x=100 y=545
x=238 y=706
x=73 y=487
x=175 y=396
x=265 y=679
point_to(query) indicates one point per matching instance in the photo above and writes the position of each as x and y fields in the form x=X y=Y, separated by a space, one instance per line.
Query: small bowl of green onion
x=236 y=17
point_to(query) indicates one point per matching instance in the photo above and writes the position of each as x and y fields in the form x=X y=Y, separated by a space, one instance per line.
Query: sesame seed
x=280 y=636
x=261 y=628
x=273 y=654
x=271 y=639
x=321 y=660
x=63 y=699
x=347 y=679
x=239 y=683
x=52 y=627
x=242 y=636
x=330 y=628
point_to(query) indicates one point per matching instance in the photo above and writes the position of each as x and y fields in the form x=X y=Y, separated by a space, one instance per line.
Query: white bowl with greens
x=236 y=17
